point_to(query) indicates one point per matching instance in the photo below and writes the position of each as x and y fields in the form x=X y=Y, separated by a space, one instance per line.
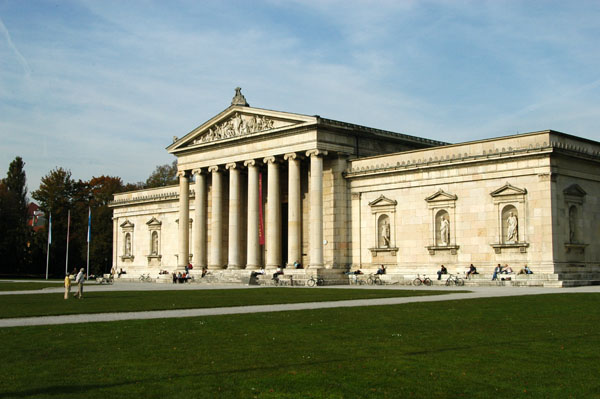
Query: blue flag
x=89 y=236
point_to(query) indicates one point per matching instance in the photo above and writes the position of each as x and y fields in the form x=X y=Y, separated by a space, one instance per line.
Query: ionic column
x=273 y=214
x=253 y=249
x=294 y=210
x=184 y=220
x=234 y=216
x=215 y=261
x=316 y=208
x=200 y=217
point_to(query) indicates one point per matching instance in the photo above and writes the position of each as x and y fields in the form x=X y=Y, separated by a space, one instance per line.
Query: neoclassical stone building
x=263 y=189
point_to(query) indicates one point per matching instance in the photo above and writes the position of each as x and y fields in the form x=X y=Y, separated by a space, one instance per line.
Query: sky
x=100 y=87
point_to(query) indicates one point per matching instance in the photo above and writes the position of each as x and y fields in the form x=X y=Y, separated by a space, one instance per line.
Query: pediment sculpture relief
x=239 y=125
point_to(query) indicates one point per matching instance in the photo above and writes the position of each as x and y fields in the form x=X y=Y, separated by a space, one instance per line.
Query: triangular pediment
x=154 y=222
x=575 y=190
x=127 y=224
x=382 y=201
x=441 y=195
x=508 y=189
x=238 y=122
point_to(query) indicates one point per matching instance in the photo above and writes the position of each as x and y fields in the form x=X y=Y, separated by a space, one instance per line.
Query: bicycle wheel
x=427 y=281
x=449 y=282
x=417 y=281
x=311 y=282
x=370 y=280
x=460 y=281
x=320 y=282
x=378 y=281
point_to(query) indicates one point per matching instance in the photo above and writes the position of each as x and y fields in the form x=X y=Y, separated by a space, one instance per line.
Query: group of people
x=114 y=272
x=79 y=280
x=499 y=269
x=470 y=271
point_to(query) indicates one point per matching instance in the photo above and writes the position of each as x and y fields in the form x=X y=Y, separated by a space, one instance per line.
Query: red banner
x=261 y=226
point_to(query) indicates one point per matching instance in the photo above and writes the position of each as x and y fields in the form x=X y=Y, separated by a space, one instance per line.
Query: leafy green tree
x=55 y=197
x=101 y=190
x=163 y=175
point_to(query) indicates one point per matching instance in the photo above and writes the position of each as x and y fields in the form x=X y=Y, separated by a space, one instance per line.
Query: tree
x=101 y=190
x=13 y=219
x=55 y=197
x=163 y=175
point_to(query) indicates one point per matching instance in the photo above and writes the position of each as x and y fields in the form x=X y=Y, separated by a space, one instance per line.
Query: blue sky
x=101 y=87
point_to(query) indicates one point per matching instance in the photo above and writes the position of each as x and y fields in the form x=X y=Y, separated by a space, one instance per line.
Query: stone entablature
x=538 y=143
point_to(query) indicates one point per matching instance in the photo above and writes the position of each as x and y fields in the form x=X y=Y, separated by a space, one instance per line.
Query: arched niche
x=443 y=236
x=510 y=224
x=384 y=230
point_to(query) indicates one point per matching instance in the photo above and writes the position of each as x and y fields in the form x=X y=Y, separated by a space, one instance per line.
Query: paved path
x=476 y=292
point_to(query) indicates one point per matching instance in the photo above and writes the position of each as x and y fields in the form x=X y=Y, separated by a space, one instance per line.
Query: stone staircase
x=299 y=277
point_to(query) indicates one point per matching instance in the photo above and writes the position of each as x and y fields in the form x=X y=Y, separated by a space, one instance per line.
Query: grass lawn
x=28 y=286
x=126 y=301
x=515 y=347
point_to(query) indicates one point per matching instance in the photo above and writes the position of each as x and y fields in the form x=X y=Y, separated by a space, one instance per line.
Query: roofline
x=548 y=131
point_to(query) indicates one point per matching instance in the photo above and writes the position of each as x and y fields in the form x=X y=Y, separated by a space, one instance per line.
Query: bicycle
x=454 y=279
x=145 y=277
x=374 y=279
x=315 y=281
x=425 y=280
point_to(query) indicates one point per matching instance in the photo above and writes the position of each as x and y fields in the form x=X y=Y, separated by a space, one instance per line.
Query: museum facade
x=264 y=189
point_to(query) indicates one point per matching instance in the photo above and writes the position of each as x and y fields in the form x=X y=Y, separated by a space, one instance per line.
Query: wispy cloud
x=101 y=87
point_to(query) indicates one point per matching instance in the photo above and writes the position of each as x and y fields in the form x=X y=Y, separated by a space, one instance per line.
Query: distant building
x=35 y=217
x=335 y=195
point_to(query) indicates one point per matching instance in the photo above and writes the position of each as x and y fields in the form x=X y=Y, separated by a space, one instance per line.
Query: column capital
x=316 y=153
x=197 y=171
x=250 y=162
x=231 y=165
x=292 y=156
x=214 y=168
x=271 y=159
x=182 y=173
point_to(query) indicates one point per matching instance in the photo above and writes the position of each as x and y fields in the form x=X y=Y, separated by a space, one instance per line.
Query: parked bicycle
x=454 y=279
x=425 y=280
x=145 y=277
x=374 y=279
x=311 y=282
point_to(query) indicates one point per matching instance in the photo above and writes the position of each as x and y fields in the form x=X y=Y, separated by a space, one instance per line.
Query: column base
x=181 y=268
x=216 y=267
x=252 y=267
x=270 y=267
x=316 y=266
x=234 y=267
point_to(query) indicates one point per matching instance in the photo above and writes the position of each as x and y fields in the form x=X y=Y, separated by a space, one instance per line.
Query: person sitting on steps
x=442 y=270
x=472 y=271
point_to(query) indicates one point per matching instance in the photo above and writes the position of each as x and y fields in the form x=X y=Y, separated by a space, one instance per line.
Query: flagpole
x=49 y=241
x=68 y=228
x=88 y=242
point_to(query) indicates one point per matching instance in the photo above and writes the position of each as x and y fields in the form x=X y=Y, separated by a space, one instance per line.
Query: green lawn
x=28 y=286
x=517 y=347
x=126 y=301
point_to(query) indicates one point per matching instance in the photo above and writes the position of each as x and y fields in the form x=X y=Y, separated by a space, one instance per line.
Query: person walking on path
x=79 y=280
x=67 y=286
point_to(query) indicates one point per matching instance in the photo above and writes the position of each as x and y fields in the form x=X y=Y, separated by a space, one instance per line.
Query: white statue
x=385 y=234
x=444 y=231
x=154 y=243
x=128 y=245
x=512 y=231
